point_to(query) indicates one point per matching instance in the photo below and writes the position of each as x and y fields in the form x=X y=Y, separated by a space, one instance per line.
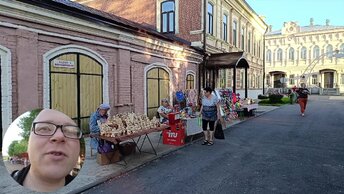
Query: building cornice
x=25 y=12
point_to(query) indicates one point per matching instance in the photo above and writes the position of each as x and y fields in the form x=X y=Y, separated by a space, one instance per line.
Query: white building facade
x=313 y=54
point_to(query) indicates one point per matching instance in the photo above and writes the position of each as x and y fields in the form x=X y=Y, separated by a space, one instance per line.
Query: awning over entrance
x=227 y=61
x=233 y=60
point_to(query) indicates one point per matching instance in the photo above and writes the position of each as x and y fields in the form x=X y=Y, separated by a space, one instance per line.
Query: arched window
x=268 y=56
x=329 y=51
x=291 y=53
x=303 y=53
x=210 y=18
x=81 y=78
x=157 y=87
x=167 y=16
x=190 y=81
x=342 y=48
x=279 y=54
x=316 y=52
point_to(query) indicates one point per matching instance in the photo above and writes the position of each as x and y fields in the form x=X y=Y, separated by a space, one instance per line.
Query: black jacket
x=302 y=93
x=20 y=175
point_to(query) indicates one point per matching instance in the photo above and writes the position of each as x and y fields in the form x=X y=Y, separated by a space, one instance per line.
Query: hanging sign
x=63 y=64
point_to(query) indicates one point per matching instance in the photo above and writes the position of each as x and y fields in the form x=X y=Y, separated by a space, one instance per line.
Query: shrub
x=261 y=97
x=275 y=98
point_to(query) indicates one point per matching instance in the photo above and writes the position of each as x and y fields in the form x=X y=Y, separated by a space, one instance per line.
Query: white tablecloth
x=192 y=126
x=250 y=106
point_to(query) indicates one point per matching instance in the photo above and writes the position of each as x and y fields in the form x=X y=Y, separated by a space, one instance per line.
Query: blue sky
x=279 y=11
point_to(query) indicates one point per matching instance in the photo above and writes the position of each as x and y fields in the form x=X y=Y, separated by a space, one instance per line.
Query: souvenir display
x=186 y=103
x=126 y=124
x=229 y=103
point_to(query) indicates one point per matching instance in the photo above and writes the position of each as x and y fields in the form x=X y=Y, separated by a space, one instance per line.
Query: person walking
x=210 y=111
x=302 y=98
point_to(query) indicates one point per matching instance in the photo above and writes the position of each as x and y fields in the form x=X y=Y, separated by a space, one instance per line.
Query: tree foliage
x=18 y=147
x=25 y=123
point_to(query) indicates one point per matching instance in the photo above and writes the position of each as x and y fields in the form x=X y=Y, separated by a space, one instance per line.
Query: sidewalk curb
x=128 y=170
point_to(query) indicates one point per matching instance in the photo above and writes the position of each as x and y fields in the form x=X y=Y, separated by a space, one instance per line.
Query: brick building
x=232 y=27
x=62 y=55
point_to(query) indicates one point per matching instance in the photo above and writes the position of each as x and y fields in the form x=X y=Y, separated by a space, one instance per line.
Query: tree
x=17 y=147
x=25 y=123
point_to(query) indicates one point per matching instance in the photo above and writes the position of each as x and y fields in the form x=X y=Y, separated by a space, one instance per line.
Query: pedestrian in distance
x=53 y=150
x=210 y=111
x=302 y=98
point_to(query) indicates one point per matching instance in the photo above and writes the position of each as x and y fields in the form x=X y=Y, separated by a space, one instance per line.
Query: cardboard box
x=108 y=158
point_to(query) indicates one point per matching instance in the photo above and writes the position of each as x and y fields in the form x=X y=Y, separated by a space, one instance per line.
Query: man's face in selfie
x=53 y=157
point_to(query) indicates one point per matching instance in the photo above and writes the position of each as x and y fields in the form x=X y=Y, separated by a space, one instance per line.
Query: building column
x=246 y=84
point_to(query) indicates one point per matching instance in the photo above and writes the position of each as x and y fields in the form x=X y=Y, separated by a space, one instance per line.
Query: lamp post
x=304 y=76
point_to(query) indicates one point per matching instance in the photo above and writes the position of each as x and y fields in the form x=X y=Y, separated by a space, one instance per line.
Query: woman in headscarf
x=98 y=117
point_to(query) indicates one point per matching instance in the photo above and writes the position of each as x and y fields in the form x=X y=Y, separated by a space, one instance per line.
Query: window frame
x=303 y=53
x=268 y=55
x=168 y=30
x=314 y=79
x=210 y=19
x=242 y=38
x=234 y=33
x=292 y=79
x=316 y=52
x=190 y=82
x=279 y=54
x=329 y=52
x=291 y=54
x=249 y=41
x=341 y=48
x=225 y=27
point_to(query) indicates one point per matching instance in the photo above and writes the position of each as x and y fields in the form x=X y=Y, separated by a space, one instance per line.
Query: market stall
x=233 y=107
x=129 y=127
x=186 y=102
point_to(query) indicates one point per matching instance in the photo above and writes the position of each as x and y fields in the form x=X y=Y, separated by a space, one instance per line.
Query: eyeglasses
x=49 y=129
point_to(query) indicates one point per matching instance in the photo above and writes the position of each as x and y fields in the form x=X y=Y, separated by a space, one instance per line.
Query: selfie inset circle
x=56 y=154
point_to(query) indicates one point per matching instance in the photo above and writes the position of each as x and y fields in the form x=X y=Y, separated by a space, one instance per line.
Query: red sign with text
x=175 y=135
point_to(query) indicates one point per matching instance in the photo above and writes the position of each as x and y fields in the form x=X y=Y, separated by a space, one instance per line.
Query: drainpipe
x=204 y=41
x=266 y=31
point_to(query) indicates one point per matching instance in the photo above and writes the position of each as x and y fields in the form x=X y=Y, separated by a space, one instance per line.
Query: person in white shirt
x=164 y=110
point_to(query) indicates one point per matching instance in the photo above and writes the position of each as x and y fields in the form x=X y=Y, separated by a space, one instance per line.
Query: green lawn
x=266 y=102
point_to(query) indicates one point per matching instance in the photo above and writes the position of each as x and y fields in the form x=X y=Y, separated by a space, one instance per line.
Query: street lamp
x=304 y=76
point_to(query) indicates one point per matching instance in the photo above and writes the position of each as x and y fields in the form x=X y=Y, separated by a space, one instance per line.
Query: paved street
x=278 y=152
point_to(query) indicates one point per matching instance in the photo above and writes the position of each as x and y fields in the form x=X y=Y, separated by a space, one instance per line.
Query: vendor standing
x=164 y=110
x=98 y=117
